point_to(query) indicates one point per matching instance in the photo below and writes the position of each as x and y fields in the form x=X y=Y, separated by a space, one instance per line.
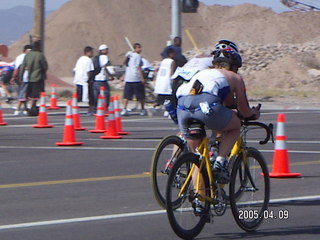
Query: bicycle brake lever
x=271 y=132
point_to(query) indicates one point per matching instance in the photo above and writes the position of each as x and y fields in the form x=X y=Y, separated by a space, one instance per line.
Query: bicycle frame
x=203 y=151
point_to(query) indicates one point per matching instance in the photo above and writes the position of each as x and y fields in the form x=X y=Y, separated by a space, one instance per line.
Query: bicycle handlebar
x=268 y=128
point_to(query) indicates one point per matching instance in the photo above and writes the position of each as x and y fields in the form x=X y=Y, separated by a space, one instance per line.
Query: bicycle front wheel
x=185 y=218
x=167 y=152
x=249 y=190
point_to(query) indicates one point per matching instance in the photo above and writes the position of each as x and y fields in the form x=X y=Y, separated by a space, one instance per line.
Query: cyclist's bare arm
x=238 y=93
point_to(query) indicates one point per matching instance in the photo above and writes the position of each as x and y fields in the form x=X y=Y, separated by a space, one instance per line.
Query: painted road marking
x=292 y=112
x=79 y=148
x=127 y=215
x=109 y=178
x=68 y=181
x=124 y=149
x=159 y=139
x=61 y=124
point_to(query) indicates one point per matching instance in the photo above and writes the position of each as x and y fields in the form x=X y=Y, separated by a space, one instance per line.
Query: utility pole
x=39 y=21
x=175 y=18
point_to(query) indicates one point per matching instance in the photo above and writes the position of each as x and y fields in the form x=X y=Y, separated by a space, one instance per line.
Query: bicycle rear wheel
x=169 y=149
x=249 y=190
x=185 y=221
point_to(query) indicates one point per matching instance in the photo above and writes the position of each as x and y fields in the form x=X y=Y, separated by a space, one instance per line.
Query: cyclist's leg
x=230 y=135
x=183 y=119
x=193 y=144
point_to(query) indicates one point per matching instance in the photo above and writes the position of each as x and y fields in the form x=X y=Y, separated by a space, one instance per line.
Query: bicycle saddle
x=195 y=129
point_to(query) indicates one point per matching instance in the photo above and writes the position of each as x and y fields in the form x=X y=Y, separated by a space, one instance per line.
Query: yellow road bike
x=191 y=178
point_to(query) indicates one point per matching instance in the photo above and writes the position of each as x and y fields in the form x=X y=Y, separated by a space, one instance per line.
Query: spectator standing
x=134 y=80
x=22 y=83
x=6 y=71
x=179 y=58
x=163 y=85
x=83 y=72
x=34 y=71
x=102 y=75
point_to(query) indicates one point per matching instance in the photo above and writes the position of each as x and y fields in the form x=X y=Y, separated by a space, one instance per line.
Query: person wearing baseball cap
x=103 y=47
x=102 y=75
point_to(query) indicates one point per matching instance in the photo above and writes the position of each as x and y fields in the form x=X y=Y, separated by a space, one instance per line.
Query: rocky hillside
x=278 y=49
x=280 y=69
x=92 y=22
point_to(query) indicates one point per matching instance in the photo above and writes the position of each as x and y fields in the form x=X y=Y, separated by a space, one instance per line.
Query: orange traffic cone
x=2 y=123
x=42 y=117
x=111 y=133
x=118 y=117
x=75 y=114
x=69 y=136
x=53 y=99
x=281 y=157
x=100 y=122
x=104 y=104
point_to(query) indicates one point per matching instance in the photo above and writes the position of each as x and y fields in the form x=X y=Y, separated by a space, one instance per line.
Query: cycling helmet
x=225 y=44
x=227 y=55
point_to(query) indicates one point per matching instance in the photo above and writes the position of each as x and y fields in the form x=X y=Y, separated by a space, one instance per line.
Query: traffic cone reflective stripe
x=111 y=133
x=2 y=123
x=75 y=113
x=53 y=99
x=281 y=157
x=118 y=117
x=100 y=121
x=69 y=136
x=42 y=117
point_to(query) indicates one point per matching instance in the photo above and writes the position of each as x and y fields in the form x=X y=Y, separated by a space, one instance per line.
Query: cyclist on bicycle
x=206 y=96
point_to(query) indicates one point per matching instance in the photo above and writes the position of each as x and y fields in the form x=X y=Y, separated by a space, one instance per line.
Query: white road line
x=84 y=219
x=78 y=148
x=290 y=141
x=296 y=112
x=159 y=139
x=61 y=124
x=125 y=140
x=293 y=151
x=304 y=142
x=304 y=198
x=126 y=215
x=124 y=149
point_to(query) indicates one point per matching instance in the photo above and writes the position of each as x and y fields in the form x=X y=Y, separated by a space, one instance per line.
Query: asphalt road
x=101 y=190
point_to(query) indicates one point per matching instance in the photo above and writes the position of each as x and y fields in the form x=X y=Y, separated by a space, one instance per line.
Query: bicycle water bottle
x=172 y=110
x=213 y=151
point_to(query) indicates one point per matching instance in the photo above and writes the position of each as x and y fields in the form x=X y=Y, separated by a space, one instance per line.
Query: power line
x=299 y=6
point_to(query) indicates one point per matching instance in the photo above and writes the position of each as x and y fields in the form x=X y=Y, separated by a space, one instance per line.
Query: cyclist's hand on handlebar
x=256 y=112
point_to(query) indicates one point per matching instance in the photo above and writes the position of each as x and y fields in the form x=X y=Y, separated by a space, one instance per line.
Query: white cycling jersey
x=193 y=66
x=213 y=81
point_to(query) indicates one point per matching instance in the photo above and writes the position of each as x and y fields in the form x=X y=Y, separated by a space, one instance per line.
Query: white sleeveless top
x=213 y=81
x=163 y=80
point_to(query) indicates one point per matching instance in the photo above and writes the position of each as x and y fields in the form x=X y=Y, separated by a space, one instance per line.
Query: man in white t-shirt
x=102 y=75
x=134 y=80
x=82 y=73
x=22 y=83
